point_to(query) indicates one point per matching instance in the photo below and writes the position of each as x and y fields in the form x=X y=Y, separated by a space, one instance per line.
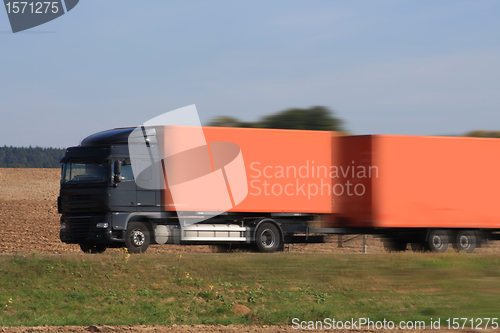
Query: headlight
x=102 y=225
x=64 y=225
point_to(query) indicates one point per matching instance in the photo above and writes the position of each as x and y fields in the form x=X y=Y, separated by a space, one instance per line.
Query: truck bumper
x=97 y=237
x=85 y=229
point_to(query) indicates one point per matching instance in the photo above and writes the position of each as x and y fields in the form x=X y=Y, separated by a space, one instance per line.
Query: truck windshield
x=85 y=173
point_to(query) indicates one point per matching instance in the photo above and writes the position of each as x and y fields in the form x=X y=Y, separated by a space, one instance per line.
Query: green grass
x=203 y=288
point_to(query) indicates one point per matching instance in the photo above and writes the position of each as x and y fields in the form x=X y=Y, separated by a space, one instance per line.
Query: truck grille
x=84 y=203
x=76 y=198
x=80 y=227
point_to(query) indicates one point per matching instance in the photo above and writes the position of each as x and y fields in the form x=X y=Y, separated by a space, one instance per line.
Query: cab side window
x=127 y=173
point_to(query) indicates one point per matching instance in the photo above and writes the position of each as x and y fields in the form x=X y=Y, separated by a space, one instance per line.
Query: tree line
x=30 y=157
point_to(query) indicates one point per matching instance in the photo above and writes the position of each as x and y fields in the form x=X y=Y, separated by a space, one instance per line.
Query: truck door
x=148 y=186
x=123 y=195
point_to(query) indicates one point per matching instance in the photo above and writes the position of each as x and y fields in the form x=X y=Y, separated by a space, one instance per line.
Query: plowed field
x=30 y=223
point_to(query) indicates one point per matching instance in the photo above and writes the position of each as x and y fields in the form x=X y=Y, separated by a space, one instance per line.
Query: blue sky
x=390 y=67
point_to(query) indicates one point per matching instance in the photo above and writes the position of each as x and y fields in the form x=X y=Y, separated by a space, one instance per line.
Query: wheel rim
x=464 y=242
x=137 y=237
x=268 y=238
x=437 y=241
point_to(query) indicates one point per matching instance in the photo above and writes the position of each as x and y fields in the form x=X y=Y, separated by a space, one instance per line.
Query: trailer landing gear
x=394 y=245
x=418 y=247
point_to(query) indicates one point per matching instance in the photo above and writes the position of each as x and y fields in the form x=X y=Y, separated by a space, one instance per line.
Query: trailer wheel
x=137 y=238
x=438 y=241
x=268 y=238
x=92 y=248
x=466 y=241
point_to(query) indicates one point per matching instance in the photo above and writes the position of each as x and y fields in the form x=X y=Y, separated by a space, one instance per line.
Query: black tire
x=394 y=245
x=418 y=247
x=92 y=248
x=438 y=240
x=268 y=238
x=137 y=237
x=466 y=241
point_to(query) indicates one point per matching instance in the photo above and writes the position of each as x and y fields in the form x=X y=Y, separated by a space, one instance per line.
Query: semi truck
x=132 y=187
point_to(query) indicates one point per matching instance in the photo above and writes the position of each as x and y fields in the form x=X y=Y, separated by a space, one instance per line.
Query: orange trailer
x=422 y=185
x=248 y=170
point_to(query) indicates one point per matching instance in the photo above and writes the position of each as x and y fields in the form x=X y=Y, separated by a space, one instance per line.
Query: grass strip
x=148 y=289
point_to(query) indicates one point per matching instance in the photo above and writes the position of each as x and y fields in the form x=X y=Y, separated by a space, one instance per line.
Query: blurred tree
x=317 y=118
x=225 y=121
x=483 y=134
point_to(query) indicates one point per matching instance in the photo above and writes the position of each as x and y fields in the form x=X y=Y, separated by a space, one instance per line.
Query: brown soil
x=30 y=223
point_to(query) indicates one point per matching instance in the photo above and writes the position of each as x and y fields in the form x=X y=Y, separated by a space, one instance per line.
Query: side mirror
x=118 y=167
x=118 y=170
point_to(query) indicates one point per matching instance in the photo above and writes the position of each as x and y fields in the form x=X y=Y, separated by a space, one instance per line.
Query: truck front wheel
x=267 y=238
x=137 y=237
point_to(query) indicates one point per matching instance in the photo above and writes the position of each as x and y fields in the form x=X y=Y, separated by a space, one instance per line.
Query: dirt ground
x=30 y=224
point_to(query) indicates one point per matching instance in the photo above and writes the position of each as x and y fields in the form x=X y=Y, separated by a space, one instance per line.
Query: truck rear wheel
x=466 y=241
x=137 y=238
x=268 y=238
x=438 y=241
x=92 y=248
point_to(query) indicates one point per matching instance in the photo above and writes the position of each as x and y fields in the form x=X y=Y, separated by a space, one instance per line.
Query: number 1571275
x=21 y=7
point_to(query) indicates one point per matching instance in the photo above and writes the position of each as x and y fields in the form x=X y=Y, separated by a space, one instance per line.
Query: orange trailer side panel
x=438 y=182
x=281 y=169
